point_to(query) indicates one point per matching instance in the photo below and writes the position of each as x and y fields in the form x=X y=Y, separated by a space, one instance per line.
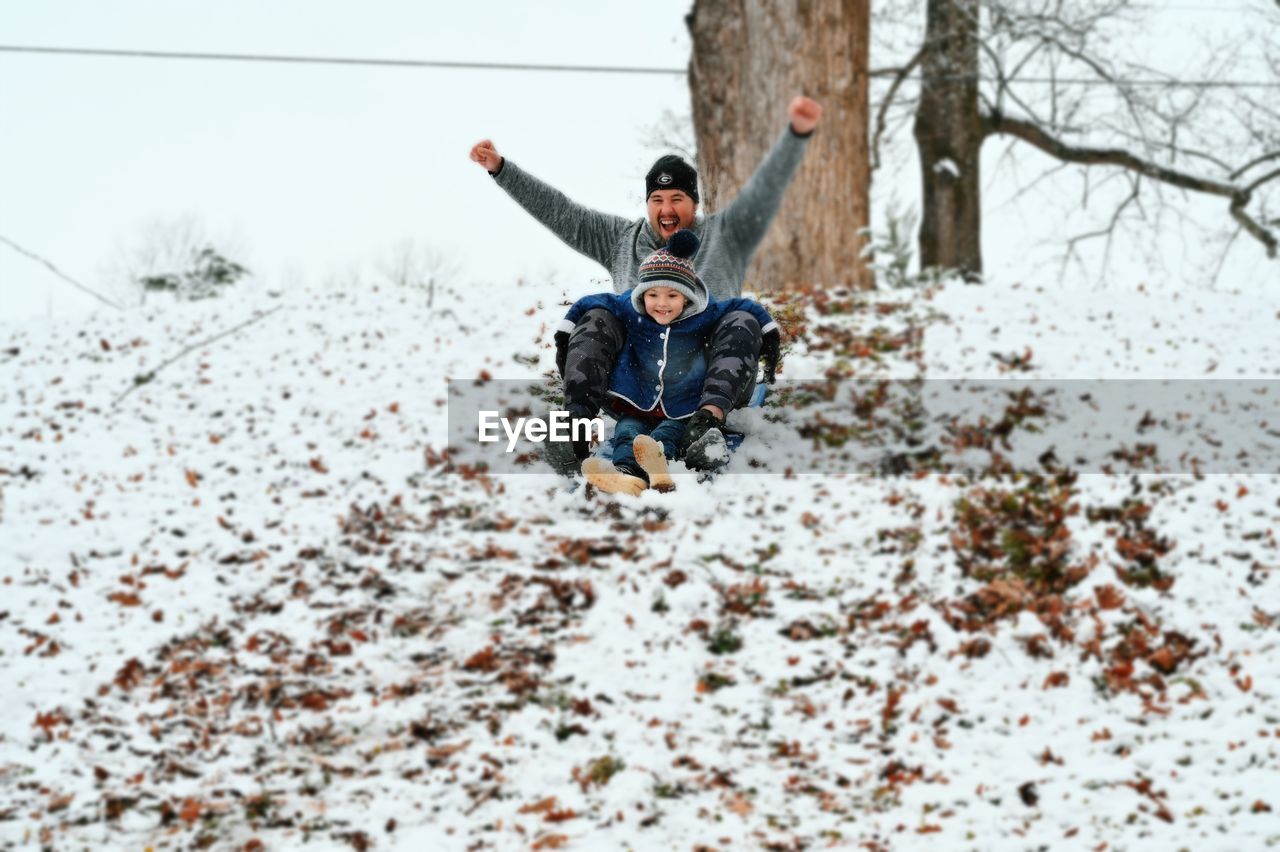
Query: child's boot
x=603 y=475
x=651 y=458
x=710 y=452
x=703 y=446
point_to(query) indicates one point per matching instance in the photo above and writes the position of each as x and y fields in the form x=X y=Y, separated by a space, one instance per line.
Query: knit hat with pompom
x=672 y=266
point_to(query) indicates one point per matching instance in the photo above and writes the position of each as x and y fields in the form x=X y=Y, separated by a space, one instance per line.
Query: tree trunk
x=750 y=58
x=949 y=134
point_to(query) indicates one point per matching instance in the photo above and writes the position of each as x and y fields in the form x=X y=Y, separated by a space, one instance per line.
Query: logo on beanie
x=671 y=172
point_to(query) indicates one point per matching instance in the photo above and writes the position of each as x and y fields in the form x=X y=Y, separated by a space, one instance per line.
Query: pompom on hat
x=672 y=266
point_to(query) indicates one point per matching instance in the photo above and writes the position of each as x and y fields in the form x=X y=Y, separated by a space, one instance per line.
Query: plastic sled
x=731 y=438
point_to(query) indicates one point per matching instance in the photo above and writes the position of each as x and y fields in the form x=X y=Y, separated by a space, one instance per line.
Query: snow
x=248 y=600
x=947 y=166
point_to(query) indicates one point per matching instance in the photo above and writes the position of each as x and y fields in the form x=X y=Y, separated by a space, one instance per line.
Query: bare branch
x=1256 y=230
x=1260 y=181
x=1274 y=155
x=1175 y=150
x=1002 y=82
x=881 y=115
x=58 y=272
x=1037 y=137
x=150 y=375
x=1226 y=250
x=1108 y=232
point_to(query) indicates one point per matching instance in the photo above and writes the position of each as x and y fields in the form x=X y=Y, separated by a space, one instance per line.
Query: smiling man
x=729 y=238
x=671 y=196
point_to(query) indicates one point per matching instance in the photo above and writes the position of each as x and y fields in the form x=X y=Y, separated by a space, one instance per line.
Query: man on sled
x=587 y=353
x=661 y=372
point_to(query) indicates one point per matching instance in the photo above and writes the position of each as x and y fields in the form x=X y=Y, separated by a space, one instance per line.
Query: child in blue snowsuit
x=658 y=378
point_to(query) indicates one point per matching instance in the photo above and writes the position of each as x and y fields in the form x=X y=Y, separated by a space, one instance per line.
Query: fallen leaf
x=738 y=804
x=190 y=811
x=441 y=752
x=1056 y=679
x=541 y=806
x=1108 y=597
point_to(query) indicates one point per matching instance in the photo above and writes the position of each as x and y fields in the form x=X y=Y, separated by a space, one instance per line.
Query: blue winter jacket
x=662 y=368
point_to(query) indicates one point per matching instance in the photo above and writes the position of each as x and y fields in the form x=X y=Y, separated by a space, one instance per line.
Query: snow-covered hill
x=247 y=602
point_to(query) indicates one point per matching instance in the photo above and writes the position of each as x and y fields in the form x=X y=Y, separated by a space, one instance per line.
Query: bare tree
x=749 y=58
x=1047 y=74
x=672 y=133
x=949 y=134
x=412 y=263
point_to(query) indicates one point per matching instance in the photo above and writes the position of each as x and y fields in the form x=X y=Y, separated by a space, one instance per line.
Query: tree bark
x=949 y=134
x=750 y=57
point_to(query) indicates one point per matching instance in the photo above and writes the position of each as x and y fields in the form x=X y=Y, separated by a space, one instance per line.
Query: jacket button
x=659 y=363
x=657 y=387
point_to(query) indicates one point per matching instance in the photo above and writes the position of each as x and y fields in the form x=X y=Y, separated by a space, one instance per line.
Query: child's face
x=663 y=304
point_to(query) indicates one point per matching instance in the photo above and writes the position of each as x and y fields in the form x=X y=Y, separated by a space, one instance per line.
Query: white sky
x=310 y=169
x=305 y=172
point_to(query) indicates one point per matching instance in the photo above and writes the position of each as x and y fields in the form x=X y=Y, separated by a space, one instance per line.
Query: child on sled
x=658 y=377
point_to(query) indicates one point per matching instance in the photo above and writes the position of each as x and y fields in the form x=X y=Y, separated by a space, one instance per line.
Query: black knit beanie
x=671 y=172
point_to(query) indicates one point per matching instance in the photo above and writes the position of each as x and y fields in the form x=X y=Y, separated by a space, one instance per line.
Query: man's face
x=663 y=304
x=669 y=211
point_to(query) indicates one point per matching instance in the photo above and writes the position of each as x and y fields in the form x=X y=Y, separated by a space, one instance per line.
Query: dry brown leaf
x=738 y=804
x=1109 y=597
x=441 y=752
x=190 y=811
x=1056 y=679
x=482 y=661
x=541 y=806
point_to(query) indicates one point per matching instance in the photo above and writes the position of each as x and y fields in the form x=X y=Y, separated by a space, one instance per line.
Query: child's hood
x=692 y=307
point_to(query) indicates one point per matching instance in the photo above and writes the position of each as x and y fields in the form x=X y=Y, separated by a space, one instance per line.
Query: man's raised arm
x=748 y=216
x=584 y=230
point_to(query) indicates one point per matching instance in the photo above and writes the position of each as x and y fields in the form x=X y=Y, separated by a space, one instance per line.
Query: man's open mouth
x=668 y=224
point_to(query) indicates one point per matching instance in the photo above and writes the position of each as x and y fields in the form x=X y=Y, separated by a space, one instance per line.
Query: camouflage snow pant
x=592 y=347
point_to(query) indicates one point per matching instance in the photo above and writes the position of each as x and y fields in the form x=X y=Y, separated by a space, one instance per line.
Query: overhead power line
x=338 y=60
x=599 y=69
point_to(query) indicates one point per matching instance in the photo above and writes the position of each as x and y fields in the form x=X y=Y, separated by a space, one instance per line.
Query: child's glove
x=770 y=350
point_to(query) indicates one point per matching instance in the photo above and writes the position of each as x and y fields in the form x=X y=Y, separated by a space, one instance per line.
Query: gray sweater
x=729 y=237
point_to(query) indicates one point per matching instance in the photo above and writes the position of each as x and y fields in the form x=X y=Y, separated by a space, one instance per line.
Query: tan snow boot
x=603 y=475
x=649 y=456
